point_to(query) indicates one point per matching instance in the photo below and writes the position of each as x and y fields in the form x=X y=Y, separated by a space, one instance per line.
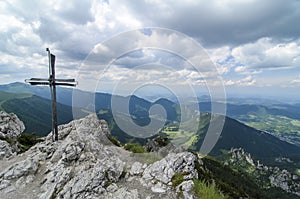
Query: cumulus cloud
x=244 y=39
x=75 y=11
x=247 y=81
x=266 y=53
x=223 y=22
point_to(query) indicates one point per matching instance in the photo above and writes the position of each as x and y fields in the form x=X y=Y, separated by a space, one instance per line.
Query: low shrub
x=26 y=141
x=134 y=147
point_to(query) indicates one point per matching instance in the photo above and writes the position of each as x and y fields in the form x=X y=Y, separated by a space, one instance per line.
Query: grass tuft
x=135 y=148
x=205 y=190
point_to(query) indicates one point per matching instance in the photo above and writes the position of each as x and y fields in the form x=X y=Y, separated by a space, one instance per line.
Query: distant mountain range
x=32 y=105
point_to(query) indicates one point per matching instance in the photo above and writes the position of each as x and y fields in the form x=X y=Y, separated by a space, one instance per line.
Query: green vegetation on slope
x=36 y=113
x=261 y=145
x=5 y=96
x=283 y=121
x=276 y=124
x=279 y=119
x=235 y=184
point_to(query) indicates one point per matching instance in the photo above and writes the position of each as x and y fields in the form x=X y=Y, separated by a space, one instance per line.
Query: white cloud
x=240 y=69
x=245 y=38
x=247 y=81
x=266 y=53
x=222 y=58
x=218 y=23
x=296 y=81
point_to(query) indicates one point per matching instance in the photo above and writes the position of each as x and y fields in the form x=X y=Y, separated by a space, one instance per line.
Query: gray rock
x=165 y=169
x=136 y=168
x=10 y=125
x=159 y=175
x=19 y=169
x=185 y=186
x=186 y=189
x=159 y=188
x=5 y=150
x=72 y=151
x=112 y=188
x=10 y=128
x=83 y=163
x=4 y=184
x=123 y=193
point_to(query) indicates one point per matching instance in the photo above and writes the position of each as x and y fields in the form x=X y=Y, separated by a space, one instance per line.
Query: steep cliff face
x=10 y=128
x=85 y=164
x=266 y=176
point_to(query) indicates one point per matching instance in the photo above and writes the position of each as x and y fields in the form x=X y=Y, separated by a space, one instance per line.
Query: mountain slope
x=235 y=134
x=83 y=163
x=4 y=96
x=64 y=95
x=36 y=113
x=282 y=120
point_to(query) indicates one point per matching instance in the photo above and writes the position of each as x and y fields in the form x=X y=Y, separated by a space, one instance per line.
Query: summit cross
x=52 y=82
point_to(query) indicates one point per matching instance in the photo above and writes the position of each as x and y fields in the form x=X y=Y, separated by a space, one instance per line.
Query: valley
x=249 y=127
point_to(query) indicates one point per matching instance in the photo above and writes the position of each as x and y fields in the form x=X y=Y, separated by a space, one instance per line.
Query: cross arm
x=65 y=84
x=37 y=81
x=65 y=80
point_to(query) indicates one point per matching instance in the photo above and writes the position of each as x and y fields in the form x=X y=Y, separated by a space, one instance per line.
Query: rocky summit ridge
x=84 y=163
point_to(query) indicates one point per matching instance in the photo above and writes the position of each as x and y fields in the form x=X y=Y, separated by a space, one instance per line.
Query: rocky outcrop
x=266 y=176
x=83 y=163
x=164 y=170
x=10 y=128
x=162 y=146
x=160 y=173
x=5 y=150
x=10 y=125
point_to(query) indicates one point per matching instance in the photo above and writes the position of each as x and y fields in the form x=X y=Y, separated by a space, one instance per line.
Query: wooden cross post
x=52 y=82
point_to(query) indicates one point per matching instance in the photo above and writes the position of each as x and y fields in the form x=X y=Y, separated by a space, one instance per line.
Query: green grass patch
x=135 y=148
x=114 y=140
x=206 y=190
x=177 y=179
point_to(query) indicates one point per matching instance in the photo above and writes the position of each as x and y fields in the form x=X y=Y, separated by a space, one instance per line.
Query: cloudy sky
x=249 y=47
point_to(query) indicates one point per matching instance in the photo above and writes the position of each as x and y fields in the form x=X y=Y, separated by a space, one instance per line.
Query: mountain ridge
x=83 y=163
x=139 y=109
